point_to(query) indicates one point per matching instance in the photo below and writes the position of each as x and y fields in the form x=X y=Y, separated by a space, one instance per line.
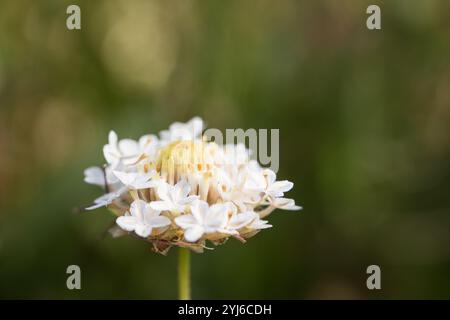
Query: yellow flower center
x=180 y=158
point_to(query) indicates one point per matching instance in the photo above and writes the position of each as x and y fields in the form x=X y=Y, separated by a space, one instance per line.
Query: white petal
x=94 y=175
x=182 y=189
x=127 y=223
x=143 y=230
x=161 y=205
x=270 y=176
x=105 y=200
x=278 y=188
x=111 y=154
x=188 y=200
x=163 y=191
x=240 y=220
x=260 y=224
x=165 y=135
x=149 y=212
x=158 y=222
x=112 y=138
x=285 y=204
x=196 y=124
x=255 y=181
x=138 y=185
x=128 y=147
x=137 y=209
x=186 y=221
x=232 y=209
x=125 y=177
x=217 y=217
x=96 y=206
x=264 y=225
x=147 y=140
x=199 y=210
x=132 y=160
x=193 y=234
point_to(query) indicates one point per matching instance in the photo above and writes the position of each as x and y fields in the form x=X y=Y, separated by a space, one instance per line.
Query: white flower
x=183 y=131
x=173 y=198
x=230 y=187
x=203 y=220
x=94 y=175
x=137 y=180
x=240 y=220
x=128 y=151
x=102 y=177
x=265 y=181
x=274 y=188
x=106 y=199
x=148 y=144
x=111 y=151
x=259 y=224
x=285 y=204
x=143 y=219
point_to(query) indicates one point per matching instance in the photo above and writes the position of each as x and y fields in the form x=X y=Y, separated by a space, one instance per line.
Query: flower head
x=178 y=189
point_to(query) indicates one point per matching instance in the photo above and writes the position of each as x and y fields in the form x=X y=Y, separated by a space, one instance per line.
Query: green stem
x=184 y=282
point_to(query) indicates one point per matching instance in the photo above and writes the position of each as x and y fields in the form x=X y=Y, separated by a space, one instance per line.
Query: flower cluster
x=179 y=189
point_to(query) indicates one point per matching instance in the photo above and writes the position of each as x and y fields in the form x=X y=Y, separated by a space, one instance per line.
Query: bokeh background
x=364 y=123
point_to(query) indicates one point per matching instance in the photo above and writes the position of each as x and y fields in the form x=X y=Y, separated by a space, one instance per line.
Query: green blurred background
x=364 y=123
